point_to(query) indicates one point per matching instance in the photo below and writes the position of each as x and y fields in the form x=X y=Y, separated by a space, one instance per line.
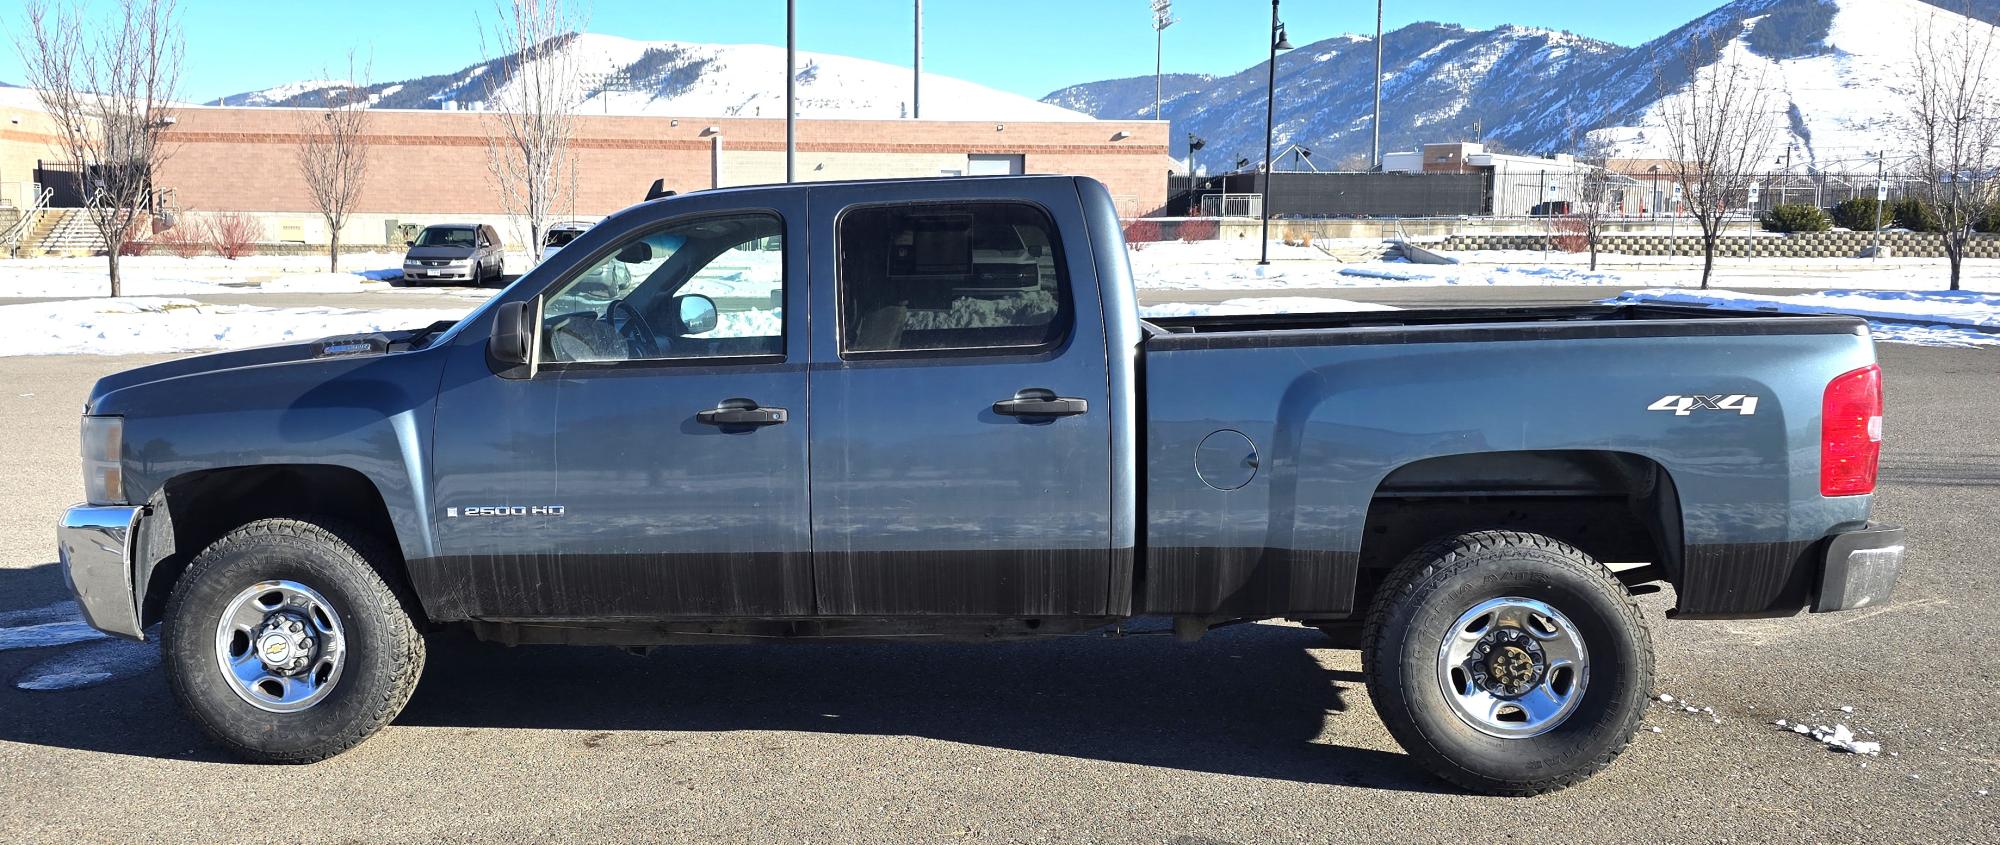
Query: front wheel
x=286 y=645
x=1508 y=663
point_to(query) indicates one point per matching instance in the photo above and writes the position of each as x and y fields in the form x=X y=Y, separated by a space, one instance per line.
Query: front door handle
x=1040 y=402
x=734 y=413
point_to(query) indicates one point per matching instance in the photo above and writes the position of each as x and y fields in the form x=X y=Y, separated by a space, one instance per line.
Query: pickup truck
x=929 y=409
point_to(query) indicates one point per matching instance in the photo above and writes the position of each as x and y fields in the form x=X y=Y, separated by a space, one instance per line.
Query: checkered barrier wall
x=1799 y=245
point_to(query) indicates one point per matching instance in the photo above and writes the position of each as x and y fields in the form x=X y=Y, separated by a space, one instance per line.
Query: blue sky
x=1029 y=47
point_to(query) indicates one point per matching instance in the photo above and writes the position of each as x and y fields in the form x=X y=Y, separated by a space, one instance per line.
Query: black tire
x=1424 y=597
x=384 y=650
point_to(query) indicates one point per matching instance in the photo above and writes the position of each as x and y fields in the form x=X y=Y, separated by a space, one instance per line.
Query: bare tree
x=1596 y=193
x=534 y=91
x=1952 y=119
x=1718 y=130
x=333 y=154
x=108 y=82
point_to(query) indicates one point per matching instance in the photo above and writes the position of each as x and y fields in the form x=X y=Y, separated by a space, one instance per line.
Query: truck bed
x=1445 y=325
x=1269 y=439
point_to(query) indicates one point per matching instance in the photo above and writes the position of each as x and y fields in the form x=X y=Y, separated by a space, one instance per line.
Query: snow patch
x=89 y=665
x=142 y=325
x=1925 y=318
x=1259 y=305
x=47 y=634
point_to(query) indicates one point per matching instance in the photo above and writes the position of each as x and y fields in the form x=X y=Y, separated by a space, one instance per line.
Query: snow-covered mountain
x=1440 y=82
x=1833 y=68
x=1833 y=65
x=699 y=80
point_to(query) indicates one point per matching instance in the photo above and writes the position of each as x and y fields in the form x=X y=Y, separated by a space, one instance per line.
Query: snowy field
x=164 y=311
x=1231 y=265
x=162 y=275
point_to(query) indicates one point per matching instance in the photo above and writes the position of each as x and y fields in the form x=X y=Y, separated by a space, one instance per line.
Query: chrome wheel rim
x=1513 y=667
x=280 y=646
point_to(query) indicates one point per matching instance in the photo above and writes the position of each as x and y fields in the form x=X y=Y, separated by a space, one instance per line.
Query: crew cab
x=929 y=409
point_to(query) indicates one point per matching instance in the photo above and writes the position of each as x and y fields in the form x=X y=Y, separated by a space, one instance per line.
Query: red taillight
x=1850 y=433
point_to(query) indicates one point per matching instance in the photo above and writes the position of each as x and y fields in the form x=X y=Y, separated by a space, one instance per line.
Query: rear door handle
x=734 y=413
x=1040 y=402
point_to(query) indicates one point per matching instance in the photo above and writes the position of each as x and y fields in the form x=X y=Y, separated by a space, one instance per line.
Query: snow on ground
x=89 y=665
x=1949 y=308
x=1837 y=737
x=1231 y=265
x=136 y=325
x=1259 y=305
x=166 y=275
x=97 y=660
x=1926 y=318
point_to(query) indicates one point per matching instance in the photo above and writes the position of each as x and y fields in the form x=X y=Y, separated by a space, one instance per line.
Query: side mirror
x=409 y=243
x=638 y=252
x=696 y=312
x=513 y=334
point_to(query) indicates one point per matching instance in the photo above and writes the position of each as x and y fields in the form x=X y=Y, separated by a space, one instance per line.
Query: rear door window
x=951 y=276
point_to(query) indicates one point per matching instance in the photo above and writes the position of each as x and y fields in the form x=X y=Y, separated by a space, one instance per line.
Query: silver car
x=454 y=252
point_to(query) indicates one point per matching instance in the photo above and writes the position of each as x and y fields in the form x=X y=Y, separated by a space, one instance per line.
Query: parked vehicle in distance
x=454 y=252
x=559 y=235
x=928 y=409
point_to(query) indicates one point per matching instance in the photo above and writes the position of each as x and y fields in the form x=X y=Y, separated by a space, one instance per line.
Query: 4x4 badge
x=1683 y=405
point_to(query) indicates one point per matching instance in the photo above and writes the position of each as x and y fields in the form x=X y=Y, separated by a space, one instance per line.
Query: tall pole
x=1270 y=117
x=1163 y=17
x=917 y=76
x=1375 y=146
x=1881 y=199
x=1785 y=185
x=791 y=88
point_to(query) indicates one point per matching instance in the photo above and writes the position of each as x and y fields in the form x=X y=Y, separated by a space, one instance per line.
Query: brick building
x=432 y=166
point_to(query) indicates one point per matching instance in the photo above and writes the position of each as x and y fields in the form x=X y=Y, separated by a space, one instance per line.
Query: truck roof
x=884 y=182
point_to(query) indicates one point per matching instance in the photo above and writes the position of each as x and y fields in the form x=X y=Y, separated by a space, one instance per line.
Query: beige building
x=432 y=166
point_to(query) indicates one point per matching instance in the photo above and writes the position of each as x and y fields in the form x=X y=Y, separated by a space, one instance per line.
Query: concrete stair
x=1356 y=251
x=65 y=231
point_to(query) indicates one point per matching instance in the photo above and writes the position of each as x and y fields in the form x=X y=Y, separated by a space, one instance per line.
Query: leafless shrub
x=233 y=235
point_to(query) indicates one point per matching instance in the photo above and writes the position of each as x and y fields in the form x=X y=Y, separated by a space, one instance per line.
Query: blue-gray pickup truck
x=899 y=410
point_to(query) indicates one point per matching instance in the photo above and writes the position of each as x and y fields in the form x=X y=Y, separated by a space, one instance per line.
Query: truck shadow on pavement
x=1249 y=700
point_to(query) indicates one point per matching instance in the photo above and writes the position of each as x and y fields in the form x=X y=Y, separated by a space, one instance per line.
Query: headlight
x=103 y=474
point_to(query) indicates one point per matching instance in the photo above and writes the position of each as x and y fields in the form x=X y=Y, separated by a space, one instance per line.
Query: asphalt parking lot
x=1255 y=734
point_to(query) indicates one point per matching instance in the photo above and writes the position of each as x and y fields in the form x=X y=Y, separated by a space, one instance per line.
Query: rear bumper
x=1860 y=569
x=95 y=545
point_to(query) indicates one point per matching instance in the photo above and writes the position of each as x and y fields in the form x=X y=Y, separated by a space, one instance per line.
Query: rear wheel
x=1508 y=663
x=286 y=645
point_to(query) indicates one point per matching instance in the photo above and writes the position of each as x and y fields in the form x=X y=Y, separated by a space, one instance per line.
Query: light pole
x=1881 y=199
x=917 y=63
x=1655 y=204
x=1278 y=42
x=1785 y=183
x=791 y=88
x=1375 y=145
x=1163 y=17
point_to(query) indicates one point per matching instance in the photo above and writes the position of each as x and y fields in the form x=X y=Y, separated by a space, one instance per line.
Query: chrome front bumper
x=95 y=544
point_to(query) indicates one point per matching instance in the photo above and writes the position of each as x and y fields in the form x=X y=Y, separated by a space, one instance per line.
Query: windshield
x=560 y=237
x=437 y=236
